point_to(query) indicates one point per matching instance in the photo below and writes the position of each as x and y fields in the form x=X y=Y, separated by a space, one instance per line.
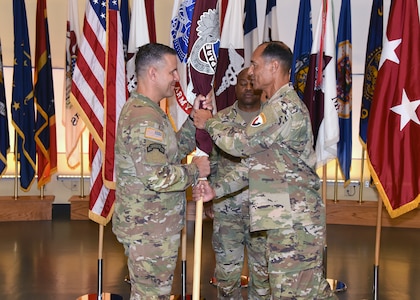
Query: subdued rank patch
x=154 y=134
x=259 y=120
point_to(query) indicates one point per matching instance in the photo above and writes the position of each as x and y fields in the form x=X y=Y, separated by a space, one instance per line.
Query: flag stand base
x=105 y=296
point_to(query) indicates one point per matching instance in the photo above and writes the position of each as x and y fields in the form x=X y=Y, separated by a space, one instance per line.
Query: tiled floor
x=58 y=260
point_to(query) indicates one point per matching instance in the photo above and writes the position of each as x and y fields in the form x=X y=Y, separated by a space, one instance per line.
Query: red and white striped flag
x=71 y=121
x=98 y=93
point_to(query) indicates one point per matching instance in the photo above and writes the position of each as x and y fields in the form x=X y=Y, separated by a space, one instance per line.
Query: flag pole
x=184 y=262
x=197 y=248
x=324 y=199
x=100 y=295
x=377 y=249
x=362 y=167
x=100 y=260
x=336 y=181
x=16 y=166
x=82 y=180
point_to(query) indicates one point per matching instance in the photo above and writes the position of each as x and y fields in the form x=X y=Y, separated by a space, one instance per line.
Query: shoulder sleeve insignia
x=259 y=120
x=154 y=134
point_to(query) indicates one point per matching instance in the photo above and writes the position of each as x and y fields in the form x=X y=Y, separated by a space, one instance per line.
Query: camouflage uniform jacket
x=151 y=181
x=231 y=176
x=280 y=158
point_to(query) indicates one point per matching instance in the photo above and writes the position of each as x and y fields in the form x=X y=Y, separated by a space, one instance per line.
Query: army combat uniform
x=283 y=192
x=150 y=196
x=231 y=229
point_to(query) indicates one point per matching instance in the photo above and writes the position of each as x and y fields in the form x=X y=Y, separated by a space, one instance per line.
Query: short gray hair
x=151 y=54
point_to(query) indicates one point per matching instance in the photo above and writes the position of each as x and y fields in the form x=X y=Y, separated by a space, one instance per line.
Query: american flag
x=99 y=92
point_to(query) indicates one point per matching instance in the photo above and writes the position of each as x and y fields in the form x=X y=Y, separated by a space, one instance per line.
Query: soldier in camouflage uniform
x=231 y=213
x=283 y=185
x=150 y=199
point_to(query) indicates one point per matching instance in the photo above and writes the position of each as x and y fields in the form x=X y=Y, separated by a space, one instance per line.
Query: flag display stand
x=100 y=295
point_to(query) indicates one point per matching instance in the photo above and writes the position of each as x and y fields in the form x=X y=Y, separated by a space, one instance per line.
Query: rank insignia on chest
x=258 y=120
x=154 y=134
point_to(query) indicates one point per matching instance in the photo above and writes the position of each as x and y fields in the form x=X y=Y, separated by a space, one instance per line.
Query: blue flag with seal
x=23 y=113
x=344 y=89
x=302 y=48
x=373 y=56
x=4 y=123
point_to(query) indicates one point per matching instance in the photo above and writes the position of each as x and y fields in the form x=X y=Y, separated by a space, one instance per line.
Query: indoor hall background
x=57 y=260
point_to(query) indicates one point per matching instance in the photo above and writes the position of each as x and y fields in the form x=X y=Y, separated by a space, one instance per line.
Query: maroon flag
x=231 y=55
x=394 y=125
x=150 y=14
x=203 y=50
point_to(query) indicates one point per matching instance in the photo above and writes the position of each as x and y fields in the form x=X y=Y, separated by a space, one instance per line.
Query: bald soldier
x=277 y=147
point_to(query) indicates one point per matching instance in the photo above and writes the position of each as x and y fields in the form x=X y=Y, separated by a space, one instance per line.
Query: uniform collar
x=282 y=91
x=146 y=101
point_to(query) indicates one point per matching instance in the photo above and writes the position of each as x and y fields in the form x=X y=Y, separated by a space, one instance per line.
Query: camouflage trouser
x=230 y=236
x=151 y=265
x=295 y=263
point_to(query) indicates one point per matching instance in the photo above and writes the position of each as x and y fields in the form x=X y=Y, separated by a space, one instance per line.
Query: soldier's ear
x=274 y=65
x=152 y=73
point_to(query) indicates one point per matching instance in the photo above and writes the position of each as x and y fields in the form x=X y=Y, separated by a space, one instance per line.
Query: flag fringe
x=100 y=219
x=393 y=213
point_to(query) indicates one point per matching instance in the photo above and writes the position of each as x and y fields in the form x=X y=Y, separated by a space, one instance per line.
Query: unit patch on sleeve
x=154 y=134
x=258 y=120
x=156 y=146
x=155 y=153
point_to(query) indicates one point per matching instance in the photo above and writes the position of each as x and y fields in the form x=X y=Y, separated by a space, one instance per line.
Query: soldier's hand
x=203 y=165
x=203 y=191
x=208 y=210
x=203 y=102
x=200 y=118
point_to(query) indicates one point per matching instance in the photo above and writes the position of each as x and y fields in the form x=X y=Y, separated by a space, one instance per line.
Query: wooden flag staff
x=197 y=249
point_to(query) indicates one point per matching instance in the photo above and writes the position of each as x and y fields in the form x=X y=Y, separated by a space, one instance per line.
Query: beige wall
x=57 y=16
